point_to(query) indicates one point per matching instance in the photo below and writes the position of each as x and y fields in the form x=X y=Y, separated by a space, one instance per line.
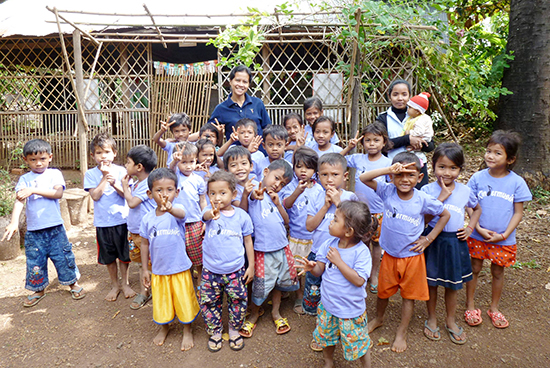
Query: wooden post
x=355 y=88
x=266 y=97
x=79 y=76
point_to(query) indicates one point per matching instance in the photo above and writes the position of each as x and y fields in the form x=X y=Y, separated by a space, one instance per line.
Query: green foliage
x=7 y=195
x=15 y=157
x=541 y=195
x=532 y=264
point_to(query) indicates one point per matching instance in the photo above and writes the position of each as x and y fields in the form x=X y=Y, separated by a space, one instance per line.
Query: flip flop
x=217 y=344
x=315 y=347
x=471 y=315
x=281 y=326
x=140 y=300
x=298 y=309
x=79 y=291
x=452 y=335
x=373 y=289
x=248 y=329
x=233 y=343
x=34 y=299
x=434 y=332
x=498 y=317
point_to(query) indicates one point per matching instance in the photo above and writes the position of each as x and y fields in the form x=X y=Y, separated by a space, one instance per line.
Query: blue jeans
x=49 y=243
x=312 y=290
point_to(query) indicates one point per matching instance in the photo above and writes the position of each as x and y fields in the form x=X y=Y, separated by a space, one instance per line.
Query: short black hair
x=452 y=151
x=285 y=166
x=209 y=127
x=406 y=158
x=179 y=119
x=103 y=140
x=159 y=174
x=35 y=146
x=508 y=139
x=238 y=69
x=291 y=116
x=313 y=102
x=333 y=159
x=221 y=175
x=306 y=156
x=275 y=131
x=188 y=149
x=377 y=128
x=143 y=155
x=205 y=142
x=246 y=122
x=395 y=83
x=234 y=153
x=322 y=119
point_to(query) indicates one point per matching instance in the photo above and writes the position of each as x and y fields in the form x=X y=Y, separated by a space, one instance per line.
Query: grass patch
x=7 y=195
x=532 y=264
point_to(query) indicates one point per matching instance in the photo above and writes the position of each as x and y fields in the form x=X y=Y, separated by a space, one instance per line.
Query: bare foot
x=161 y=336
x=399 y=344
x=374 y=324
x=187 y=342
x=128 y=292
x=113 y=294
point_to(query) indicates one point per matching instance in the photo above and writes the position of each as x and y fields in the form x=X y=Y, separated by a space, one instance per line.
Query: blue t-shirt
x=42 y=212
x=166 y=235
x=222 y=249
x=139 y=190
x=111 y=209
x=316 y=202
x=260 y=163
x=240 y=189
x=269 y=226
x=339 y=296
x=461 y=197
x=298 y=212
x=169 y=149
x=332 y=149
x=202 y=174
x=229 y=112
x=361 y=163
x=191 y=188
x=497 y=197
x=309 y=138
x=404 y=219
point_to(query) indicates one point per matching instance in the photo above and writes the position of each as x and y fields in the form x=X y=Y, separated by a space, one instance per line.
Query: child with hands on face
x=345 y=264
x=224 y=271
x=180 y=126
x=238 y=161
x=207 y=159
x=245 y=132
x=297 y=136
x=274 y=139
x=403 y=265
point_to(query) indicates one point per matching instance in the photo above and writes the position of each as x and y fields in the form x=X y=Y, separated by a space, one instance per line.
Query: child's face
x=207 y=155
x=240 y=167
x=131 y=167
x=323 y=133
x=312 y=114
x=221 y=195
x=303 y=172
x=187 y=165
x=246 y=134
x=104 y=155
x=274 y=180
x=337 y=226
x=412 y=112
x=446 y=171
x=208 y=134
x=293 y=128
x=399 y=96
x=496 y=158
x=163 y=188
x=332 y=176
x=38 y=162
x=274 y=147
x=405 y=182
x=181 y=133
x=373 y=143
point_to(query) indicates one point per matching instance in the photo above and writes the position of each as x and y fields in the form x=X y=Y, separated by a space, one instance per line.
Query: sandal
x=34 y=300
x=298 y=309
x=218 y=343
x=473 y=317
x=79 y=292
x=453 y=335
x=373 y=289
x=436 y=336
x=236 y=343
x=314 y=346
x=498 y=319
x=139 y=301
x=248 y=329
x=281 y=326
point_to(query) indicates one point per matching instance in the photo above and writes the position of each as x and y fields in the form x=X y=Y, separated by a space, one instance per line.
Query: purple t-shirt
x=139 y=190
x=298 y=212
x=339 y=296
x=497 y=197
x=191 y=188
x=169 y=149
x=166 y=235
x=269 y=226
x=42 y=212
x=404 y=219
x=316 y=202
x=222 y=249
x=461 y=197
x=240 y=190
x=361 y=163
x=332 y=149
x=111 y=208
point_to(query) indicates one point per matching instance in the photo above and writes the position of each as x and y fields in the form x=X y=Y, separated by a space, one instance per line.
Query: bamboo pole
x=56 y=12
x=353 y=93
x=79 y=91
x=96 y=58
x=156 y=27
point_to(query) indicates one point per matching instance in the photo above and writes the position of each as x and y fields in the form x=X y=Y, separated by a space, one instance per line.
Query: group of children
x=224 y=213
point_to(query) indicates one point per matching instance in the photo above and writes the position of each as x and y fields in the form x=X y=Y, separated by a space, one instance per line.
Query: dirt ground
x=94 y=333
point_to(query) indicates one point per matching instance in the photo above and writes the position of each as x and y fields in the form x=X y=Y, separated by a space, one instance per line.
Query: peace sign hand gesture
x=215 y=211
x=164 y=126
x=234 y=137
x=219 y=126
x=301 y=139
x=353 y=142
x=165 y=204
x=258 y=194
x=249 y=186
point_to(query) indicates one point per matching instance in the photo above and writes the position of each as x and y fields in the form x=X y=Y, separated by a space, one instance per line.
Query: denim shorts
x=49 y=243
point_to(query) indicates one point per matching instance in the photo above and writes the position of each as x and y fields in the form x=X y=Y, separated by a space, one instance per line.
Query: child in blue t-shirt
x=345 y=263
x=274 y=140
x=163 y=242
x=224 y=272
x=245 y=133
x=140 y=161
x=238 y=161
x=374 y=138
x=501 y=194
x=297 y=136
x=104 y=183
x=46 y=238
x=313 y=109
x=273 y=260
x=403 y=265
x=207 y=160
x=192 y=196
x=323 y=130
x=180 y=126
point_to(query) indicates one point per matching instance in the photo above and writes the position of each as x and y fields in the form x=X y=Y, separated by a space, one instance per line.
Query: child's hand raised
x=399 y=168
x=301 y=139
x=258 y=194
x=445 y=190
x=219 y=126
x=215 y=211
x=302 y=185
x=249 y=185
x=304 y=265
x=353 y=142
x=126 y=181
x=255 y=144
x=165 y=126
x=234 y=137
x=334 y=195
x=165 y=204
x=274 y=197
x=178 y=154
x=104 y=167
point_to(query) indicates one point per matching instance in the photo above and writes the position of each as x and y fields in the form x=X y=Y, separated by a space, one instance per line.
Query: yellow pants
x=174 y=295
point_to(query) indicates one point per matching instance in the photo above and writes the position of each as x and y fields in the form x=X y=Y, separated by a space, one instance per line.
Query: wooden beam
x=74 y=25
x=154 y=24
x=79 y=91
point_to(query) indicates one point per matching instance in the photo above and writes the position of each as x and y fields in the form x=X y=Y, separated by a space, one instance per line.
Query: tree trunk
x=527 y=110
